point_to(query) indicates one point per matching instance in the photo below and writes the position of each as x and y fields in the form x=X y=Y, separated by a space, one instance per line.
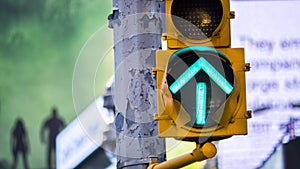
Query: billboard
x=269 y=32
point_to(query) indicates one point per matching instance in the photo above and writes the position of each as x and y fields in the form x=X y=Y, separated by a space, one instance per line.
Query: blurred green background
x=39 y=43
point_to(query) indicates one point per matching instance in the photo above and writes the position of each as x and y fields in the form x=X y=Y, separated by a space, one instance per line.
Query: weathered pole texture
x=137 y=27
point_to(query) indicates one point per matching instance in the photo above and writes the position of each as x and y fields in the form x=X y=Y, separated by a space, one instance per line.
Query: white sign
x=82 y=136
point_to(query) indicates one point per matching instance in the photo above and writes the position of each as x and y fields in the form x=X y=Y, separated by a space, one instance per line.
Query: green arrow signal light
x=201 y=94
x=201 y=63
x=186 y=76
x=216 y=76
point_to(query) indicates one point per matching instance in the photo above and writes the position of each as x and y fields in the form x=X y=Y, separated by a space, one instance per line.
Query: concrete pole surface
x=137 y=26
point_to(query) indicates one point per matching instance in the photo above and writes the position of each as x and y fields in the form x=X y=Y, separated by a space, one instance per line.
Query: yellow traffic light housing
x=198 y=22
x=224 y=111
x=201 y=88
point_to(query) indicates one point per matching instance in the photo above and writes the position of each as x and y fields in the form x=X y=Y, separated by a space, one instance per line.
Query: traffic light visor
x=197 y=19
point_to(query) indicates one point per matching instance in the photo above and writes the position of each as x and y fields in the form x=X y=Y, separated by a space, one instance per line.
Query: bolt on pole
x=137 y=27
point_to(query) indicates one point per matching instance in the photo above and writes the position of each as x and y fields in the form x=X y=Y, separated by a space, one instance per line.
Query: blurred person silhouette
x=53 y=125
x=19 y=143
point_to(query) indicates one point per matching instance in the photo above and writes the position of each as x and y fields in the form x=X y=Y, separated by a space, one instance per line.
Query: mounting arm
x=200 y=153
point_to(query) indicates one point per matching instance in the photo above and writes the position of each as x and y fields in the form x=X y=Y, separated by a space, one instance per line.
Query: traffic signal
x=198 y=22
x=200 y=79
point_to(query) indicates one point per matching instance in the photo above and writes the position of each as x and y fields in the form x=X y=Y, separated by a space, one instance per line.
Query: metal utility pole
x=137 y=27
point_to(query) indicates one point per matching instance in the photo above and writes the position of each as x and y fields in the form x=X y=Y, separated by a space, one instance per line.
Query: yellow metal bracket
x=200 y=153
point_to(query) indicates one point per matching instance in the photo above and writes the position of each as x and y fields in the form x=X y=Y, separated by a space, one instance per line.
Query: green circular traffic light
x=201 y=79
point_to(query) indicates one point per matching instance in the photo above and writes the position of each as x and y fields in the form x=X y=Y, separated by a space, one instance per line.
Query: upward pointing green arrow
x=201 y=63
x=201 y=94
